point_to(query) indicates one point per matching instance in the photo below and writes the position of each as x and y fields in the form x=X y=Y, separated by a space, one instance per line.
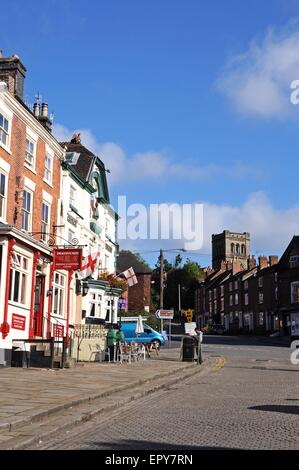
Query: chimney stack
x=43 y=117
x=13 y=72
x=273 y=260
x=251 y=262
x=263 y=262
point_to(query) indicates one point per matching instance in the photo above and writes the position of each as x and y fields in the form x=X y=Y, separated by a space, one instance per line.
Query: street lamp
x=121 y=306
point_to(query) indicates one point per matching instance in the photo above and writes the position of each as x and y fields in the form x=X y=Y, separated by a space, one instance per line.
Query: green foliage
x=142 y=260
x=186 y=276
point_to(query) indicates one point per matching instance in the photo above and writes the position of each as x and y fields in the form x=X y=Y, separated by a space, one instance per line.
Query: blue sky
x=186 y=101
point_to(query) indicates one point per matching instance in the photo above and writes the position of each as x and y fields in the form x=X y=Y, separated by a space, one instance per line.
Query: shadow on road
x=148 y=445
x=277 y=408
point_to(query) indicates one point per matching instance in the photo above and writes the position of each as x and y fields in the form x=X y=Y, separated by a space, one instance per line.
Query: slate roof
x=85 y=162
x=127 y=259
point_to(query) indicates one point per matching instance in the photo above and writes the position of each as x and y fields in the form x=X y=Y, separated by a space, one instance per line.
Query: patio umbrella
x=139 y=326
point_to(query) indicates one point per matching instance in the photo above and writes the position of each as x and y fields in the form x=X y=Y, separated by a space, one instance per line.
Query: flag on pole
x=89 y=265
x=130 y=276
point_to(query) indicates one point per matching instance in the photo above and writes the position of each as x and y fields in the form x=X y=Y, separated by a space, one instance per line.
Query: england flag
x=130 y=276
x=89 y=265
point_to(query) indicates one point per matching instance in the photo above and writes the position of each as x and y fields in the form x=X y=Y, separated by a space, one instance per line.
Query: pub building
x=86 y=218
x=30 y=169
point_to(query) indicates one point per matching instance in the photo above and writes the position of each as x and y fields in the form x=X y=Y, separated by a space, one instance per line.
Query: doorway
x=39 y=305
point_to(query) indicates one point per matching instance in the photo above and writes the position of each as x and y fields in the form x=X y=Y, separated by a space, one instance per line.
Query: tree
x=186 y=276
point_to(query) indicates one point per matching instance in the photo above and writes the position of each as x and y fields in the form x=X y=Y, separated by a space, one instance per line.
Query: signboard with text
x=58 y=331
x=69 y=259
x=18 y=322
x=165 y=314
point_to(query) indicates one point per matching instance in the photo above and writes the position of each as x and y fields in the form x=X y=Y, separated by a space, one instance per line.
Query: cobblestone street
x=250 y=400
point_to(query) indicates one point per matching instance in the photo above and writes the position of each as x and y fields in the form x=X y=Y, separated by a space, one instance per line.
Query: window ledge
x=30 y=168
x=49 y=184
x=19 y=305
x=5 y=148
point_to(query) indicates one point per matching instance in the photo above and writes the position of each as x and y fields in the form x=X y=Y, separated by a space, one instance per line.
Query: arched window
x=243 y=249
x=237 y=248
x=232 y=247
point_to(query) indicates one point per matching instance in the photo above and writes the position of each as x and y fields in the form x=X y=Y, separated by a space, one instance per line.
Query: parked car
x=149 y=336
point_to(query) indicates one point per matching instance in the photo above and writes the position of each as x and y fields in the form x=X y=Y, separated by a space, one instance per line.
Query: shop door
x=39 y=304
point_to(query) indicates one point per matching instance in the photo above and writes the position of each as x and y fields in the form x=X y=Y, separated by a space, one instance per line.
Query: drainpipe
x=50 y=291
x=31 y=326
x=69 y=280
x=4 y=328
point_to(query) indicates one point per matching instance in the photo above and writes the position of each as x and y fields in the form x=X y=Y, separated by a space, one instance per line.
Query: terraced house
x=260 y=299
x=30 y=167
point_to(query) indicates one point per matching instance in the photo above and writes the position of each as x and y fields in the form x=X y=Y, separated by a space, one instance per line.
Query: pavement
x=37 y=402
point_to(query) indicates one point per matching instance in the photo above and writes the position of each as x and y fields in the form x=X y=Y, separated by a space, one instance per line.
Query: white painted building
x=87 y=219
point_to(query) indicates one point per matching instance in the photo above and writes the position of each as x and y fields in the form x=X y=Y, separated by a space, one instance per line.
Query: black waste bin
x=188 y=349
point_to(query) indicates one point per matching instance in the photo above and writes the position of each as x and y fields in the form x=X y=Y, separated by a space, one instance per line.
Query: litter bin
x=188 y=349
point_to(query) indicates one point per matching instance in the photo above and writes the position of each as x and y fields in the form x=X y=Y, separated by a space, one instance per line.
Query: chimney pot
x=44 y=109
x=36 y=109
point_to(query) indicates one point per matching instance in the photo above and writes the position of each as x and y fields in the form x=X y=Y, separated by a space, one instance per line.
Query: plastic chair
x=124 y=353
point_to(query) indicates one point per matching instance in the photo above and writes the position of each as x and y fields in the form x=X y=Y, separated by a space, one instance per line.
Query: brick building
x=30 y=162
x=260 y=299
x=139 y=295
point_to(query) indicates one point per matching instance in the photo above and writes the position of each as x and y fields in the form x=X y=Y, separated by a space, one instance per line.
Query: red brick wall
x=139 y=295
x=17 y=169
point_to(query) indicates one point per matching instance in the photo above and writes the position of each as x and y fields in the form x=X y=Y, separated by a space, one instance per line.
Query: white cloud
x=258 y=81
x=152 y=166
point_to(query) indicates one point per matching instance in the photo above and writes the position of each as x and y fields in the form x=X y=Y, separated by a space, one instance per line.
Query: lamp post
x=161 y=258
x=121 y=306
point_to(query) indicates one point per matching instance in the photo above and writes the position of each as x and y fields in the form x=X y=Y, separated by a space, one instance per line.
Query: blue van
x=149 y=335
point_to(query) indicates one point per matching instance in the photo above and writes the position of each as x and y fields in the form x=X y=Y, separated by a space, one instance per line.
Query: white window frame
x=261 y=298
x=294 y=261
x=59 y=287
x=73 y=199
x=236 y=284
x=231 y=299
x=260 y=281
x=28 y=229
x=246 y=284
x=236 y=298
x=4 y=131
x=3 y=196
x=294 y=299
x=44 y=223
x=17 y=266
x=30 y=164
x=48 y=170
x=96 y=301
x=246 y=298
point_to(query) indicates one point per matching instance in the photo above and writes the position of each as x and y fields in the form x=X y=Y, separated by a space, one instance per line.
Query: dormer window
x=72 y=157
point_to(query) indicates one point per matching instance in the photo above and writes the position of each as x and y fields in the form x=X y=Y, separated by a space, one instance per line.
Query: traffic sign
x=165 y=314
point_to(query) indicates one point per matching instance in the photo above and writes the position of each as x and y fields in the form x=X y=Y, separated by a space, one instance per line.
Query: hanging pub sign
x=69 y=259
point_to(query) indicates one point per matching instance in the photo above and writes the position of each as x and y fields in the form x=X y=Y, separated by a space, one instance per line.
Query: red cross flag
x=130 y=276
x=89 y=265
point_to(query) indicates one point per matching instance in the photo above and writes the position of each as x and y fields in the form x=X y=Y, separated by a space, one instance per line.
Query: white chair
x=124 y=353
